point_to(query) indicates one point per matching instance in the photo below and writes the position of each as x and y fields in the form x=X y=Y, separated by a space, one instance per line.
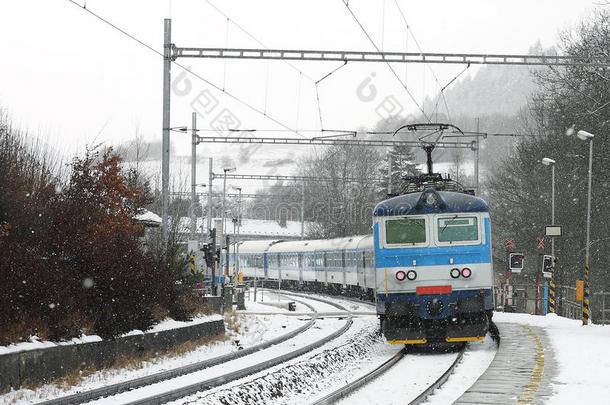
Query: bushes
x=70 y=256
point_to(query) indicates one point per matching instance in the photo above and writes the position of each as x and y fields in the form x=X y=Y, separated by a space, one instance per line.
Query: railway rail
x=114 y=389
x=244 y=372
x=229 y=377
x=225 y=378
x=360 y=382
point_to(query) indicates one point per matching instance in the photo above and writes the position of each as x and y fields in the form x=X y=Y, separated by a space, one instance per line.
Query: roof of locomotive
x=413 y=204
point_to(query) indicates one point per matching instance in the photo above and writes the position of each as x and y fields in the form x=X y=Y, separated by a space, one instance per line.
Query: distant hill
x=494 y=89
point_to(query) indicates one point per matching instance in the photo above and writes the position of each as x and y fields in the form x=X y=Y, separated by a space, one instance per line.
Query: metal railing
x=532 y=299
x=523 y=298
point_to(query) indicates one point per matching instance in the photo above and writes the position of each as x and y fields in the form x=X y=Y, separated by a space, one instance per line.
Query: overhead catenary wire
x=318 y=92
x=224 y=74
x=298 y=103
x=186 y=69
x=409 y=30
x=404 y=85
x=242 y=29
x=442 y=92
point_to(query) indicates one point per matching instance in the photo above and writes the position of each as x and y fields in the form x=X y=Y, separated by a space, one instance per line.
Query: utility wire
x=224 y=74
x=242 y=29
x=244 y=103
x=447 y=85
x=318 y=93
x=404 y=85
x=409 y=30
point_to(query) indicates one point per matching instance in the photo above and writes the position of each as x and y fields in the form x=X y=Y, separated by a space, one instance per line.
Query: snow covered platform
x=519 y=373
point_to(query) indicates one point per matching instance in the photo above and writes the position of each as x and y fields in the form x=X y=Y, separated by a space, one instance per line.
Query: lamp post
x=551 y=162
x=236 y=250
x=586 y=136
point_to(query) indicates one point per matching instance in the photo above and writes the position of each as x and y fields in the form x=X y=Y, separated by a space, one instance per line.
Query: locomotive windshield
x=405 y=230
x=458 y=229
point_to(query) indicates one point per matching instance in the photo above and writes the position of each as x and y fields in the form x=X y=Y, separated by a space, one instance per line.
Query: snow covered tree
x=403 y=164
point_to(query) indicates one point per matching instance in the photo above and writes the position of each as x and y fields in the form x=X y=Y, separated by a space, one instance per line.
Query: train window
x=334 y=259
x=319 y=259
x=405 y=231
x=456 y=229
x=308 y=260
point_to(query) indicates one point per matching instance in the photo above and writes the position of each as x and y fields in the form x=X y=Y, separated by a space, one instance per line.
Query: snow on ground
x=581 y=353
x=322 y=328
x=476 y=359
x=405 y=380
x=253 y=329
x=35 y=343
x=299 y=380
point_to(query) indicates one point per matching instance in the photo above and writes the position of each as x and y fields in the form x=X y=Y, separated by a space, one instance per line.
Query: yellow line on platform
x=530 y=389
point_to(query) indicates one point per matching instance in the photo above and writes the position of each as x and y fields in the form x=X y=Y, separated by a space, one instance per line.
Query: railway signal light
x=515 y=262
x=547 y=266
x=210 y=253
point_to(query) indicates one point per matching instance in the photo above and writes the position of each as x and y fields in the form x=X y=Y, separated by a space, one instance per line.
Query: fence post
x=603 y=308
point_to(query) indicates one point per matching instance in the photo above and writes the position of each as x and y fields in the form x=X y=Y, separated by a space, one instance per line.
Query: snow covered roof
x=251 y=227
x=148 y=218
x=256 y=246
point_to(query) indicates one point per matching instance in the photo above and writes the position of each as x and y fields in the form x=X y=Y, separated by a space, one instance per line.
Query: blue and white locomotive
x=433 y=267
x=428 y=264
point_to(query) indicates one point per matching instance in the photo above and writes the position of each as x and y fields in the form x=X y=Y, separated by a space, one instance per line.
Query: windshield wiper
x=447 y=223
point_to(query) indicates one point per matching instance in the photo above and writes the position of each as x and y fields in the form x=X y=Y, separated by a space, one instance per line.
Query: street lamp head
x=179 y=129
x=548 y=161
x=236 y=188
x=229 y=169
x=584 y=135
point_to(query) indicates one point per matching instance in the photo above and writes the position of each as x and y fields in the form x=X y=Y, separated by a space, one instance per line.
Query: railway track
x=357 y=384
x=184 y=371
x=362 y=381
x=114 y=389
x=378 y=371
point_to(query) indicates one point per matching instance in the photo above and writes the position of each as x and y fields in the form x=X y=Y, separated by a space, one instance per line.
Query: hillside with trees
x=567 y=99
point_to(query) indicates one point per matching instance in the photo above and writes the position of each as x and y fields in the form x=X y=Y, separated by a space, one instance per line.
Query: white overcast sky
x=72 y=79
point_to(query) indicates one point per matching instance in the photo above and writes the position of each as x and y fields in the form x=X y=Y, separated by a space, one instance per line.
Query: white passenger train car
x=340 y=263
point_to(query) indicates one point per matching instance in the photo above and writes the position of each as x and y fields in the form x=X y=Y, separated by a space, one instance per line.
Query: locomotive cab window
x=405 y=231
x=457 y=229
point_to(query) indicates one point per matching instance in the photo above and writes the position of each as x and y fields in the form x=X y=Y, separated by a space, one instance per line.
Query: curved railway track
x=203 y=385
x=244 y=372
x=114 y=389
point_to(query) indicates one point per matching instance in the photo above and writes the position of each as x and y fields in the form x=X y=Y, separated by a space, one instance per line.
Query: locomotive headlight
x=400 y=275
x=430 y=199
x=466 y=272
x=455 y=273
x=411 y=275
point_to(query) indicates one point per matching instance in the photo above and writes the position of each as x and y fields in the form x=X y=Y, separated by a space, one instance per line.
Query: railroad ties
x=521 y=371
